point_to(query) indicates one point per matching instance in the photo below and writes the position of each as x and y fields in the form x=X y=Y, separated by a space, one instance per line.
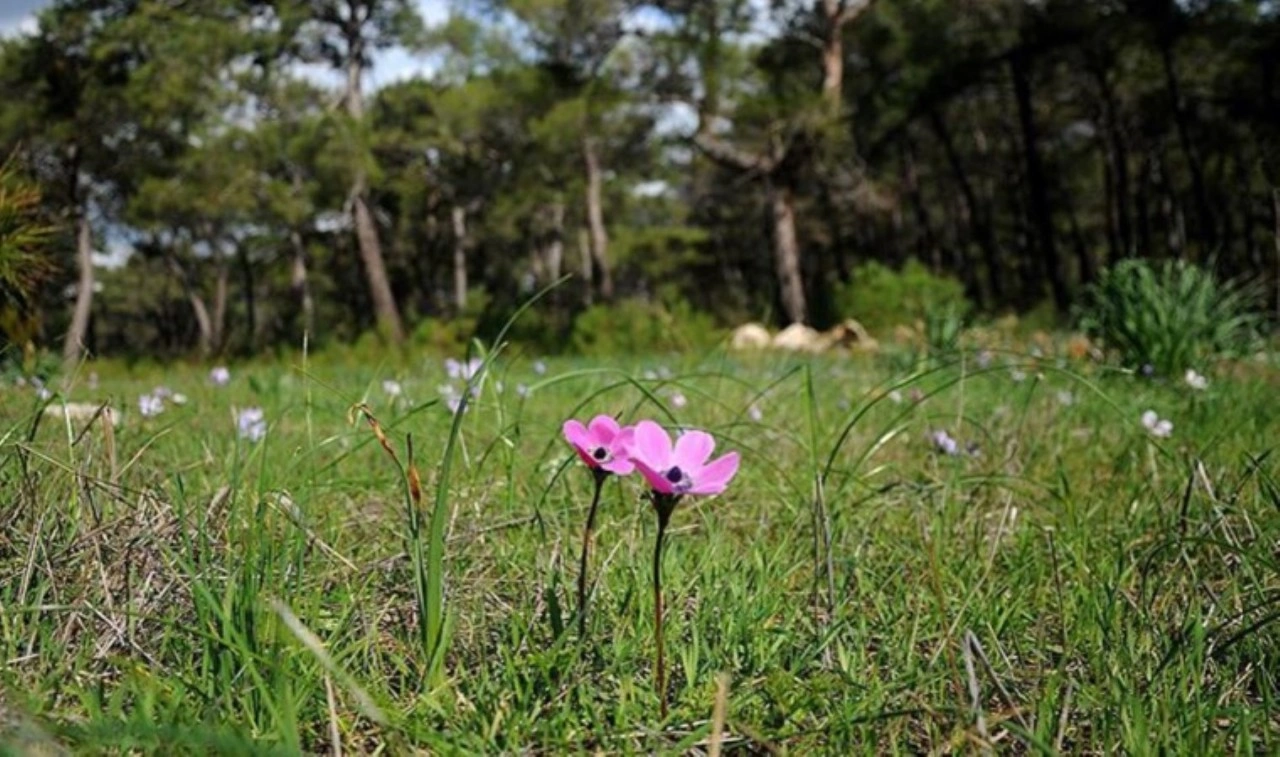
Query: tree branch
x=733 y=157
x=849 y=10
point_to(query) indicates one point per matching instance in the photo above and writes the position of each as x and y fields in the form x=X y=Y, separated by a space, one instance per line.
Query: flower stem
x=660 y=666
x=586 y=555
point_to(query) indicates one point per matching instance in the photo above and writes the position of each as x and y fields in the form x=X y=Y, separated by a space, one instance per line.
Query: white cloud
x=398 y=64
x=391 y=65
x=17 y=27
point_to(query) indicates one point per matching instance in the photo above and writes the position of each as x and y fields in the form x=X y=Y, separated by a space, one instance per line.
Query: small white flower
x=220 y=376
x=522 y=391
x=1017 y=375
x=1196 y=380
x=755 y=413
x=942 y=442
x=896 y=396
x=392 y=387
x=460 y=370
x=178 y=398
x=452 y=397
x=44 y=394
x=678 y=400
x=150 y=405
x=1158 y=427
x=1066 y=398
x=539 y=367
x=251 y=424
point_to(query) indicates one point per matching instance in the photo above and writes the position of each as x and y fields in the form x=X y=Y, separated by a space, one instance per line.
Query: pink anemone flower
x=682 y=468
x=602 y=444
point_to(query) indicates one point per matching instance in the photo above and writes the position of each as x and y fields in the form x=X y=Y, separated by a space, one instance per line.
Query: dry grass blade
x=975 y=694
x=363 y=410
x=364 y=702
x=718 y=715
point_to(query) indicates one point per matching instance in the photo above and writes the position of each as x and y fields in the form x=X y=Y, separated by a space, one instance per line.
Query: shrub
x=1172 y=317
x=881 y=298
x=634 y=326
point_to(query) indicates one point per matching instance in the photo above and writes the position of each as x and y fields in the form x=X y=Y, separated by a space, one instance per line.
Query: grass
x=1075 y=586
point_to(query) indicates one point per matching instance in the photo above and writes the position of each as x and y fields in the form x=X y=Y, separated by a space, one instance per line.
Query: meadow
x=987 y=552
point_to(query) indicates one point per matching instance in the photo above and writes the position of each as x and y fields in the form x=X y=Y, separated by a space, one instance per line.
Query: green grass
x=1077 y=586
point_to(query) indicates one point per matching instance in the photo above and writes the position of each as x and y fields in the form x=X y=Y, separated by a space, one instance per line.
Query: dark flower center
x=675 y=475
x=600 y=454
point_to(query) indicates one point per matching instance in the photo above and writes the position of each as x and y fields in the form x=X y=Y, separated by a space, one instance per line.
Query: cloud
x=391 y=65
x=15 y=12
x=397 y=64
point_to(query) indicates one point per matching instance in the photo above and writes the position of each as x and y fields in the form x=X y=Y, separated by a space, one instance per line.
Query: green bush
x=881 y=298
x=1172 y=317
x=634 y=326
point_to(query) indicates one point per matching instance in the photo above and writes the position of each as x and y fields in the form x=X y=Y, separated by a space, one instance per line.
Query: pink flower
x=682 y=468
x=602 y=444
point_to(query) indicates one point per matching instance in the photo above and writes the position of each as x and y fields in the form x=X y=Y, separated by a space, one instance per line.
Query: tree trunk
x=458 y=216
x=1117 y=160
x=555 y=245
x=928 y=244
x=384 y=301
x=832 y=54
x=74 y=344
x=204 y=324
x=249 y=285
x=1207 y=226
x=218 y=329
x=836 y=14
x=1037 y=181
x=786 y=252
x=978 y=220
x=300 y=283
x=599 y=236
x=584 y=248
x=1275 y=211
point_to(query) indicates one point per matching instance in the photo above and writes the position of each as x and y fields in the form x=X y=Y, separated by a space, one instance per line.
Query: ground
x=1066 y=581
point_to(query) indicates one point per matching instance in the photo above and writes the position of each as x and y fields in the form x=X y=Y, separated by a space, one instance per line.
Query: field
x=1066 y=581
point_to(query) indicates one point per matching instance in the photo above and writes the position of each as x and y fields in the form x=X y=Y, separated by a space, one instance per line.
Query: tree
x=345 y=35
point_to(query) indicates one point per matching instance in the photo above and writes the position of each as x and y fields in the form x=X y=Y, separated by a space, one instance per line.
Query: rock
x=852 y=335
x=905 y=334
x=81 y=411
x=750 y=336
x=799 y=338
x=1080 y=347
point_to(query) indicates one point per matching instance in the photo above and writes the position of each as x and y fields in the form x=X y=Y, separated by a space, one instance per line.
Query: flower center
x=679 y=481
x=600 y=453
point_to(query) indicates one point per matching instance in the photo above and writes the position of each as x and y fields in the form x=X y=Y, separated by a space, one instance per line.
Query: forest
x=221 y=177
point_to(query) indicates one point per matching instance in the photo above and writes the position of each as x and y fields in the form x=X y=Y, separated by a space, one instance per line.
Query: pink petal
x=619 y=465
x=652 y=446
x=693 y=448
x=623 y=442
x=603 y=428
x=716 y=476
x=657 y=481
x=580 y=439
